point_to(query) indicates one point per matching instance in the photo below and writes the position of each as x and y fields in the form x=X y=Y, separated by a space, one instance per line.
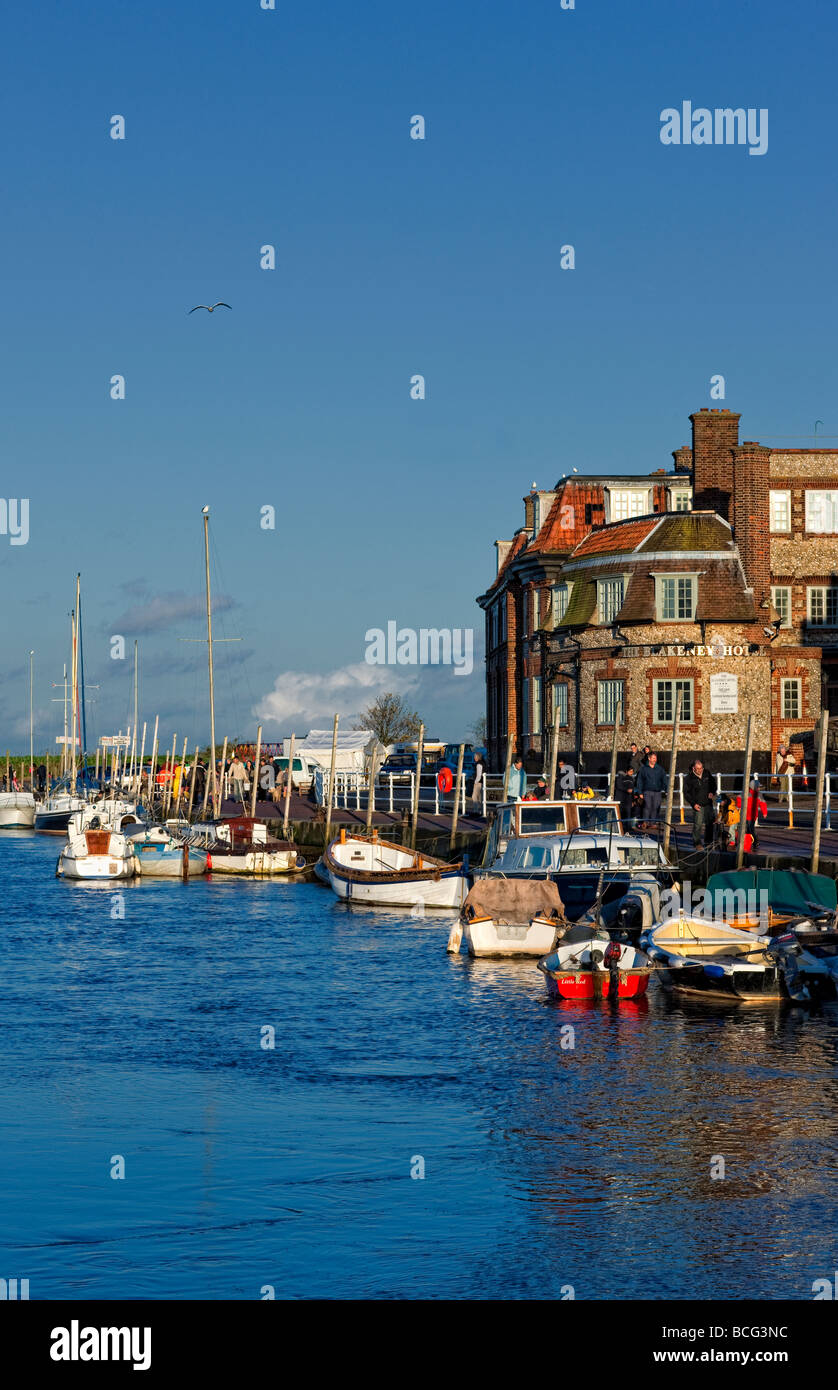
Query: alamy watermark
x=430 y=646
x=722 y=126
x=14 y=519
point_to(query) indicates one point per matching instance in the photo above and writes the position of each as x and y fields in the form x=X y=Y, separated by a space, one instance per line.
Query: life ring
x=445 y=779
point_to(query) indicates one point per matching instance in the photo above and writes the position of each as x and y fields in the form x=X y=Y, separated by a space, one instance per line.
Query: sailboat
x=17 y=809
x=53 y=815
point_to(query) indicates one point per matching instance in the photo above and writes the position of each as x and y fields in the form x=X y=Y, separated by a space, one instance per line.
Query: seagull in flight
x=209 y=307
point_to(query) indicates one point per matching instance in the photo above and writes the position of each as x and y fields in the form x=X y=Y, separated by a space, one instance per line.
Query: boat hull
x=256 y=863
x=95 y=866
x=17 y=811
x=596 y=984
x=156 y=861
x=448 y=890
x=485 y=937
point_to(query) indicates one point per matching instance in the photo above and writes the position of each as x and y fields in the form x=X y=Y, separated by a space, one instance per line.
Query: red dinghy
x=588 y=965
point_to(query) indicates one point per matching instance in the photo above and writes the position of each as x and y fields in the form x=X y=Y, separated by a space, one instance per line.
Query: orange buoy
x=445 y=779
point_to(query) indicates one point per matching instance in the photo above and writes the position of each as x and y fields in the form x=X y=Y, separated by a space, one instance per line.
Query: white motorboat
x=582 y=846
x=17 y=810
x=377 y=872
x=94 y=850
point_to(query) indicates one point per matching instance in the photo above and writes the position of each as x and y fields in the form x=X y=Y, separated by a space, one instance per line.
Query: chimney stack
x=751 y=515
x=715 y=438
x=683 y=459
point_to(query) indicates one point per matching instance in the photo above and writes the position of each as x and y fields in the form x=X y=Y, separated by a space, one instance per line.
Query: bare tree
x=389 y=719
x=478 y=730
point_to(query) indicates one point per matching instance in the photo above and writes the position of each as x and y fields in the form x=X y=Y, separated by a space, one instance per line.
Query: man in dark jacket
x=700 y=796
x=651 y=783
x=625 y=789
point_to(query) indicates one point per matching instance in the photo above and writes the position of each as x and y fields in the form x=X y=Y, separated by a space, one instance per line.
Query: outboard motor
x=611 y=960
x=786 y=950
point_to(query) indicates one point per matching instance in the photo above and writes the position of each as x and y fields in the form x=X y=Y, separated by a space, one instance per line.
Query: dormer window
x=626 y=502
x=677 y=595
x=610 y=593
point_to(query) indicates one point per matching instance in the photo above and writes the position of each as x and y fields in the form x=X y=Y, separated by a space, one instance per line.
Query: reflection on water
x=562 y=1143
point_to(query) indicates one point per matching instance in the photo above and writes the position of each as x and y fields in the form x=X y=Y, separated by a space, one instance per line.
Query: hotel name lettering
x=715 y=650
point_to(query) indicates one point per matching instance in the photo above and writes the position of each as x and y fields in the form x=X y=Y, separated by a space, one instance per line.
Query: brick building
x=715 y=582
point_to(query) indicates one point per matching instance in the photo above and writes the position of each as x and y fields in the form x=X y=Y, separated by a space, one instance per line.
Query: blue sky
x=247 y=127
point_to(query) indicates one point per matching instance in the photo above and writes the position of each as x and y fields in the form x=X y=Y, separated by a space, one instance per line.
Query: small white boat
x=160 y=854
x=17 y=810
x=244 y=845
x=95 y=851
x=511 y=917
x=388 y=875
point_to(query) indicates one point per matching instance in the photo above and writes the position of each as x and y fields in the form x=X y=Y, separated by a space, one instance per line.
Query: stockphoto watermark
x=722 y=126
x=429 y=646
x=14 y=519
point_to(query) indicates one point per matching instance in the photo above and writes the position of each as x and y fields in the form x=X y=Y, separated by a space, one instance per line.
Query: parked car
x=450 y=758
x=302 y=771
x=399 y=766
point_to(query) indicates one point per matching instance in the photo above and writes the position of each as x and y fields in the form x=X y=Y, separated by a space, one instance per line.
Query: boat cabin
x=515 y=820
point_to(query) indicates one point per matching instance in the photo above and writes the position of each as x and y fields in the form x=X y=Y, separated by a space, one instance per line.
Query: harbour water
x=563 y=1147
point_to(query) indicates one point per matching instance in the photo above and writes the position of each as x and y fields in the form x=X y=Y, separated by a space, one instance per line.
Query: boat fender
x=209 y=863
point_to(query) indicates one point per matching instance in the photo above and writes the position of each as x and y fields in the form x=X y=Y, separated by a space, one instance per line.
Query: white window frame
x=604 y=586
x=561 y=703
x=560 y=608
x=536 y=705
x=786 y=604
x=606 y=706
x=677 y=495
x=779 y=508
x=822 y=605
x=786 y=685
x=687 y=713
x=661 y=580
x=821 y=511
x=633 y=501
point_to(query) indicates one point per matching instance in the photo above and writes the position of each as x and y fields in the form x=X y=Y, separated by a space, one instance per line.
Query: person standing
x=635 y=758
x=625 y=789
x=651 y=783
x=517 y=780
x=238 y=776
x=477 y=785
x=784 y=764
x=699 y=794
x=755 y=808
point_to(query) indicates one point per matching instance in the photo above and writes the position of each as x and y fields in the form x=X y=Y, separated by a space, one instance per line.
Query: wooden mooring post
x=330 y=799
x=670 y=788
x=289 y=780
x=816 y=829
x=457 y=786
x=417 y=777
x=618 y=719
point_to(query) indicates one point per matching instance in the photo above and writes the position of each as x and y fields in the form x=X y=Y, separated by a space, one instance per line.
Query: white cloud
x=164 y=610
x=308 y=698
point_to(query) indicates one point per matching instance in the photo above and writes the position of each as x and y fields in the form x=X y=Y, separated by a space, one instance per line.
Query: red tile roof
x=620 y=536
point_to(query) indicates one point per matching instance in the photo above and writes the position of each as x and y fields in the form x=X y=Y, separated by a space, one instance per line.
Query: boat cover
x=788 y=890
x=514 y=901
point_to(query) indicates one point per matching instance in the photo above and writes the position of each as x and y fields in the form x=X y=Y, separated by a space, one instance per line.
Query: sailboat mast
x=74 y=700
x=31 y=731
x=134 y=725
x=211 y=677
x=82 y=713
x=64 y=747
